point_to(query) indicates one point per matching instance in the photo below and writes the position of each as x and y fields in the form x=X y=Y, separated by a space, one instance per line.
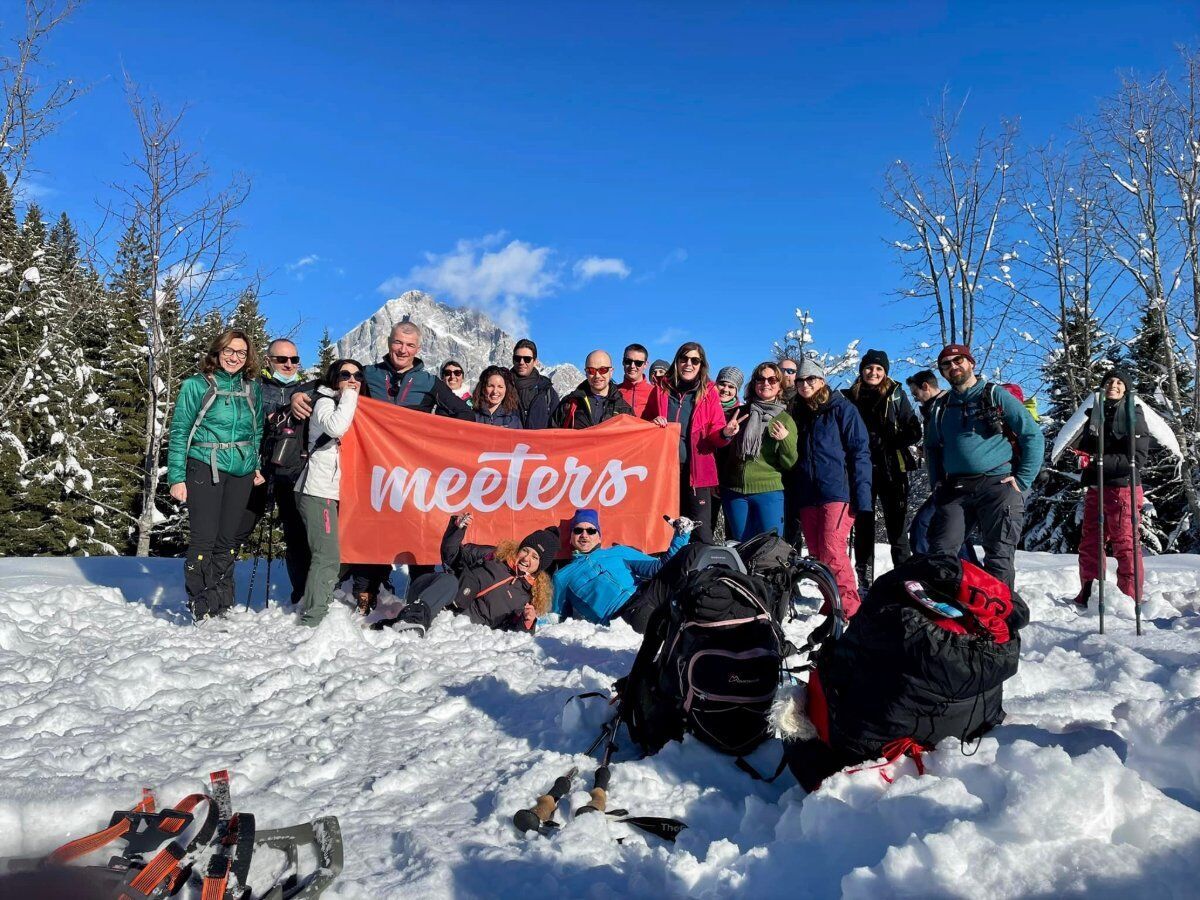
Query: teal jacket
x=229 y=420
x=594 y=586
x=963 y=438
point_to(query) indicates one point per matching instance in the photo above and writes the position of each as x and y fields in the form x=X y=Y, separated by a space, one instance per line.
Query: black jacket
x=1117 y=470
x=277 y=404
x=577 y=409
x=477 y=569
x=893 y=426
x=538 y=400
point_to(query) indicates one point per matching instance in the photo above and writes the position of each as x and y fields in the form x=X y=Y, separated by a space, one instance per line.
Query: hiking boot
x=1084 y=595
x=864 y=574
x=415 y=617
x=366 y=602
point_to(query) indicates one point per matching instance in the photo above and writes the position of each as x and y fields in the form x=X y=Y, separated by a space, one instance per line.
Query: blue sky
x=603 y=172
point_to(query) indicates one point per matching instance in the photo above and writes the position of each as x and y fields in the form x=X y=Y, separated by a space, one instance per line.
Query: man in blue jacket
x=983 y=450
x=601 y=584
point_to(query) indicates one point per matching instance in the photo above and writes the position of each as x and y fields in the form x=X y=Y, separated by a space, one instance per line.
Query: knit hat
x=1122 y=374
x=810 y=368
x=875 y=358
x=955 y=350
x=660 y=364
x=586 y=517
x=733 y=375
x=546 y=542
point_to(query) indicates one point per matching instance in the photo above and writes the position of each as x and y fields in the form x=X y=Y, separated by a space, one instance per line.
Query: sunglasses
x=452 y=373
x=522 y=359
x=952 y=361
x=811 y=379
x=765 y=379
x=691 y=360
x=598 y=370
x=346 y=375
x=635 y=363
x=787 y=371
x=294 y=360
x=582 y=530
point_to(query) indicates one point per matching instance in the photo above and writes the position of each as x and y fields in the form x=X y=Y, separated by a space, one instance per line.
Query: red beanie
x=955 y=350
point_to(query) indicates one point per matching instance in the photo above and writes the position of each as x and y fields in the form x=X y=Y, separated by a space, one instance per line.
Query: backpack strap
x=741 y=763
x=210 y=397
x=936 y=410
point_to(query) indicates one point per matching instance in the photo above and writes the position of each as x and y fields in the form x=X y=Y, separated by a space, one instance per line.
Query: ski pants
x=696 y=503
x=214 y=518
x=367 y=578
x=1118 y=533
x=280 y=491
x=827 y=533
x=749 y=514
x=436 y=590
x=320 y=515
x=997 y=509
x=918 y=533
x=891 y=497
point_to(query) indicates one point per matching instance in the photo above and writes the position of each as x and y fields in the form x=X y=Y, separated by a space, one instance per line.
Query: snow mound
x=425 y=748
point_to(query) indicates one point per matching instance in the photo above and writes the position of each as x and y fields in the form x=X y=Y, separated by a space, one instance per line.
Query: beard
x=959 y=379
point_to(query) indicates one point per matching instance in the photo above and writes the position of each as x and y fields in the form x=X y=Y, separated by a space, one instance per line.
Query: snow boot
x=1085 y=594
x=415 y=617
x=865 y=578
x=366 y=602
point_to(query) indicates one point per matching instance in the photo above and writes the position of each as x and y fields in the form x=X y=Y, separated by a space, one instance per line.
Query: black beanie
x=875 y=358
x=546 y=542
x=1121 y=374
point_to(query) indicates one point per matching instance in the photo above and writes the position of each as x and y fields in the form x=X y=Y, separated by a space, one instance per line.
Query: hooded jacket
x=332 y=415
x=595 y=586
x=636 y=394
x=577 y=409
x=835 y=455
x=704 y=437
x=892 y=425
x=479 y=568
x=229 y=420
x=417 y=388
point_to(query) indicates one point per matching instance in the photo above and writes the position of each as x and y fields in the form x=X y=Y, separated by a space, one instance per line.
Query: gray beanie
x=733 y=375
x=810 y=367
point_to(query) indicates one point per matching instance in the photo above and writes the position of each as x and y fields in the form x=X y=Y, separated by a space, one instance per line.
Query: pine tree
x=16 y=338
x=247 y=317
x=326 y=356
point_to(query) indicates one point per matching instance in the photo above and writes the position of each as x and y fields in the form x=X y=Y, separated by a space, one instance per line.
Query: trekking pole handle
x=543 y=811
x=599 y=794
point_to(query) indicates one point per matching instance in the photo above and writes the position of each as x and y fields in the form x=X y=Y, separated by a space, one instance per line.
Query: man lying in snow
x=601 y=584
x=503 y=587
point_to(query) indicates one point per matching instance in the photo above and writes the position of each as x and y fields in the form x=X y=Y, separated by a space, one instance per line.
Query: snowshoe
x=175 y=853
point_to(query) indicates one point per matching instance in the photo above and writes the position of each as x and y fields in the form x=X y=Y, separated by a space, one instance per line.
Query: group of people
x=783 y=451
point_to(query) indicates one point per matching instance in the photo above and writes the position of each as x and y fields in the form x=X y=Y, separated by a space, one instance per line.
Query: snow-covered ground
x=425 y=748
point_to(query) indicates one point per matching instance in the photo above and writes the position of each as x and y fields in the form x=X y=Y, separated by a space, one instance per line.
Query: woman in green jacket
x=762 y=449
x=212 y=463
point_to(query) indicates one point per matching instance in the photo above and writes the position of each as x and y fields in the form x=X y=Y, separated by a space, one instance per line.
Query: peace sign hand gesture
x=734 y=425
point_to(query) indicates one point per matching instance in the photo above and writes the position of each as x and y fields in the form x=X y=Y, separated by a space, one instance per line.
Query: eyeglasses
x=787 y=371
x=810 y=380
x=346 y=375
x=294 y=360
x=765 y=379
x=598 y=370
x=633 y=363
x=522 y=359
x=691 y=360
x=581 y=530
x=230 y=353
x=452 y=373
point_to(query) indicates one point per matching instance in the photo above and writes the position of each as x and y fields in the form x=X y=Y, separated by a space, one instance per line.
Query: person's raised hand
x=734 y=425
x=777 y=430
x=660 y=421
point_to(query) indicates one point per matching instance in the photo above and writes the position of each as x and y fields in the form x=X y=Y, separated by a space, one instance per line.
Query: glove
x=682 y=525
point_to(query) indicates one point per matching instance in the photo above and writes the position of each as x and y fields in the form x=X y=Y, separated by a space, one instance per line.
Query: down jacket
x=332 y=415
x=835 y=456
x=229 y=420
x=479 y=567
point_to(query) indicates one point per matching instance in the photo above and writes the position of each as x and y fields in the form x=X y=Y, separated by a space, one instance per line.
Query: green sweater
x=228 y=420
x=764 y=472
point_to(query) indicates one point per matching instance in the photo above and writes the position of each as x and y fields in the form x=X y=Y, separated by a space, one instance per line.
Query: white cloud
x=597 y=266
x=481 y=273
x=305 y=262
x=674 y=258
x=671 y=336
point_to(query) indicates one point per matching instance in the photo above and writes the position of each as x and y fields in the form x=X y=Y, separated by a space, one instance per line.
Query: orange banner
x=404 y=473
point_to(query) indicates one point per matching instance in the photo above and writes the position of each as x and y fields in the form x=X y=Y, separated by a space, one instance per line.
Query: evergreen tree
x=16 y=337
x=247 y=317
x=326 y=356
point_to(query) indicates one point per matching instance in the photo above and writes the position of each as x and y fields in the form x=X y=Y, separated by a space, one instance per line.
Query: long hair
x=751 y=394
x=212 y=359
x=511 y=399
x=331 y=376
x=702 y=382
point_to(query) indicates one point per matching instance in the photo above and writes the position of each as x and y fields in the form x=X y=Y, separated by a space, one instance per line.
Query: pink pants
x=1118 y=534
x=827 y=533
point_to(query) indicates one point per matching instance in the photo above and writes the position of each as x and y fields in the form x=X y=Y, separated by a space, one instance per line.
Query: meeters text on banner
x=404 y=473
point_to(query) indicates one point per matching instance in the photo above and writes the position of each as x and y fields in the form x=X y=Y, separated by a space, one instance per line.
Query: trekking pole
x=272 y=510
x=539 y=817
x=599 y=792
x=1100 y=499
x=254 y=552
x=1134 y=509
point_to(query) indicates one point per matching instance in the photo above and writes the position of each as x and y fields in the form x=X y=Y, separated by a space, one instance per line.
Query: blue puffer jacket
x=594 y=586
x=835 y=455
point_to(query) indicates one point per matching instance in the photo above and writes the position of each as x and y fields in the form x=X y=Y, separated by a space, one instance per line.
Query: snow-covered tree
x=326 y=356
x=798 y=343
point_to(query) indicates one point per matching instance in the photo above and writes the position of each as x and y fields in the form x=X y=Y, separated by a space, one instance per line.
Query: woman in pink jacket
x=688 y=398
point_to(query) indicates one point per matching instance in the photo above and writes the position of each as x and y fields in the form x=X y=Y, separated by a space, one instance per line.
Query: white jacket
x=332 y=414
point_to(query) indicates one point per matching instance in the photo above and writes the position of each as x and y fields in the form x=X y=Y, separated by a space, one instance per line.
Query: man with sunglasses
x=596 y=400
x=601 y=584
x=536 y=394
x=788 y=368
x=974 y=433
x=280 y=380
x=636 y=387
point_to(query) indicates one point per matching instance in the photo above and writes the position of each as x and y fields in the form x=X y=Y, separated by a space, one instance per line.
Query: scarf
x=1116 y=418
x=527 y=386
x=750 y=438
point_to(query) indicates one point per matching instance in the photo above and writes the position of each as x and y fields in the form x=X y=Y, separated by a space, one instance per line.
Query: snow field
x=425 y=748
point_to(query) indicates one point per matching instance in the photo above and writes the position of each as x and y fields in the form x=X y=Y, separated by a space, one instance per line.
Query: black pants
x=697 y=504
x=215 y=514
x=280 y=490
x=368 y=577
x=983 y=502
x=890 y=497
x=653 y=594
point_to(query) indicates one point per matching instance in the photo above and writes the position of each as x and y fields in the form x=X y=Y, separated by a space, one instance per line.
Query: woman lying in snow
x=503 y=587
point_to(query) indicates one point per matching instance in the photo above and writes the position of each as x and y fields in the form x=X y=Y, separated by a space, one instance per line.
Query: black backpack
x=710 y=662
